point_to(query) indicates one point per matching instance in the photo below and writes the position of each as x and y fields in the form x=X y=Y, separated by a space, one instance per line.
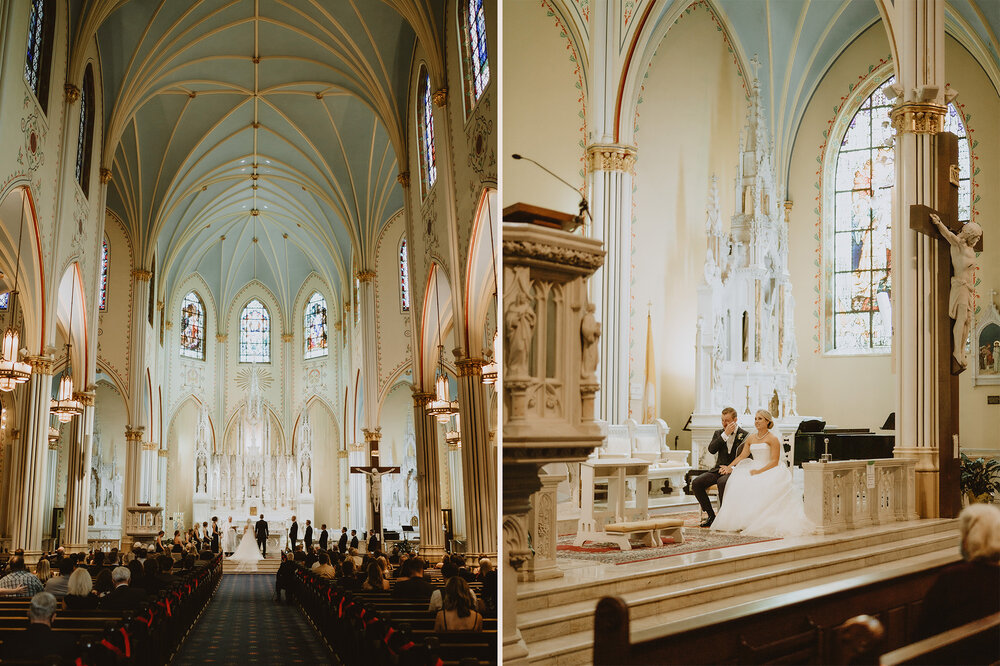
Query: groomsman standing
x=324 y=537
x=293 y=533
x=309 y=537
x=342 y=544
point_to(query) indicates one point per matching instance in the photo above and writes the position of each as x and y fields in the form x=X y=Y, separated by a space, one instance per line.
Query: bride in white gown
x=247 y=554
x=760 y=497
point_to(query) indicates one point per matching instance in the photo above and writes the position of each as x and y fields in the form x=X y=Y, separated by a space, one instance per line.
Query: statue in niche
x=963 y=263
x=590 y=332
x=519 y=322
x=202 y=476
x=774 y=406
x=410 y=490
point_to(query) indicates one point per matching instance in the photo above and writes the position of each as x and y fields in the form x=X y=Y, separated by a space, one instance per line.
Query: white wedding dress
x=767 y=504
x=247 y=554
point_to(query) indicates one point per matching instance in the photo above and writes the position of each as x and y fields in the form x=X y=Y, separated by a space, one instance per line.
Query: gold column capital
x=918 y=118
x=440 y=97
x=86 y=398
x=611 y=157
x=470 y=367
x=287 y=337
x=134 y=434
x=169 y=325
x=71 y=92
x=105 y=175
x=40 y=364
x=221 y=337
x=366 y=275
x=420 y=399
x=372 y=435
x=142 y=274
x=403 y=178
x=150 y=446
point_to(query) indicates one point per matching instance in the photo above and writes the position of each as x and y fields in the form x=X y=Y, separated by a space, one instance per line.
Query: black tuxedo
x=309 y=538
x=324 y=537
x=293 y=534
x=354 y=542
x=261 y=531
x=342 y=544
x=215 y=537
x=724 y=456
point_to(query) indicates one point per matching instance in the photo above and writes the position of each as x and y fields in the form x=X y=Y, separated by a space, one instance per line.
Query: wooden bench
x=650 y=532
x=977 y=642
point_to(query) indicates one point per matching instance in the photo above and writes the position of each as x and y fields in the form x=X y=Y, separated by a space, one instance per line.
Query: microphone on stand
x=584 y=206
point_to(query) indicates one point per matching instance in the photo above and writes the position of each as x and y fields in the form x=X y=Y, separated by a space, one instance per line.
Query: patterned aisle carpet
x=243 y=624
x=695 y=539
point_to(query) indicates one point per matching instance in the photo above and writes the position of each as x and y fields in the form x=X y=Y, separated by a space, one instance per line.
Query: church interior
x=247 y=272
x=756 y=183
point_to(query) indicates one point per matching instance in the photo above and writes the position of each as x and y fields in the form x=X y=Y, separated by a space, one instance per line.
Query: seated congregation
x=395 y=609
x=102 y=607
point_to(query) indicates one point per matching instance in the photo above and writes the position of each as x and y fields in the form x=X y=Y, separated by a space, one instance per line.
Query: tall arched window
x=193 y=327
x=315 y=324
x=404 y=278
x=478 y=74
x=4 y=300
x=85 y=141
x=861 y=315
x=105 y=262
x=38 y=59
x=255 y=333
x=428 y=159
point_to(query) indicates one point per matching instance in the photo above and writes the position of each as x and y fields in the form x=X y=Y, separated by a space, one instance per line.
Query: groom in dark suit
x=261 y=531
x=726 y=444
x=293 y=533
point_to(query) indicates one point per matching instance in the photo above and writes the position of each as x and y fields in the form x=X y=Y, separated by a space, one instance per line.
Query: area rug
x=695 y=539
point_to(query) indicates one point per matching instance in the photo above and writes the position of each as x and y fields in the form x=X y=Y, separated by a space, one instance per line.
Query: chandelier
x=453 y=435
x=441 y=407
x=64 y=406
x=12 y=371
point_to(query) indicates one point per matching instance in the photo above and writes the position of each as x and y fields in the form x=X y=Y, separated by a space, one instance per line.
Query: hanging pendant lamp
x=64 y=406
x=441 y=407
x=13 y=372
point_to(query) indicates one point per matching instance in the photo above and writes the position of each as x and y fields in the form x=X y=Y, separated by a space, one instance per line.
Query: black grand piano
x=845 y=443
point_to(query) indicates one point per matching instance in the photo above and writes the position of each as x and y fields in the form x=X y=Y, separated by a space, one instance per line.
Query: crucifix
x=950 y=299
x=374 y=472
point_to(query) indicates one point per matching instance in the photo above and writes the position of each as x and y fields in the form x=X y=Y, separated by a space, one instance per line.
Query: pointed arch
x=193 y=326
x=255 y=332
x=315 y=327
x=425 y=131
x=85 y=139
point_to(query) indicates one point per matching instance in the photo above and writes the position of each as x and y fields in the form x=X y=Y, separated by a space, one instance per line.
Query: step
x=544 y=623
x=266 y=566
x=546 y=595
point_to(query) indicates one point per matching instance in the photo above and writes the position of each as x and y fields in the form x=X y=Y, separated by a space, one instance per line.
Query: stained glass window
x=85 y=140
x=862 y=238
x=192 y=327
x=476 y=25
x=38 y=56
x=105 y=261
x=953 y=123
x=4 y=300
x=404 y=278
x=255 y=333
x=427 y=155
x=315 y=334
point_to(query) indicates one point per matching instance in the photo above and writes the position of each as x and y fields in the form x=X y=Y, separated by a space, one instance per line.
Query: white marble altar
x=106 y=483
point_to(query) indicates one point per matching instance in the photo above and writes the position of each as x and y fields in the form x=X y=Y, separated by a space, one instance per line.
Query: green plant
x=980 y=476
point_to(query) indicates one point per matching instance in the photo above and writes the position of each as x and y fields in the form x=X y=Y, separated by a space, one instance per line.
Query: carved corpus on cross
x=374 y=472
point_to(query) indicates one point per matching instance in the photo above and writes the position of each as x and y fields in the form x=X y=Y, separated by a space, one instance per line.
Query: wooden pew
x=795 y=627
x=975 y=643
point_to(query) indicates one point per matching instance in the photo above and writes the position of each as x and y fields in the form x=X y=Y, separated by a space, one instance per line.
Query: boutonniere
x=739 y=435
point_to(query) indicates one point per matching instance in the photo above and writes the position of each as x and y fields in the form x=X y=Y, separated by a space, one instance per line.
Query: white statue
x=375 y=477
x=590 y=331
x=963 y=262
x=519 y=322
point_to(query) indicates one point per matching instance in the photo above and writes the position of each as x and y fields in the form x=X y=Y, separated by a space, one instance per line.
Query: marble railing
x=848 y=494
x=143 y=522
x=104 y=544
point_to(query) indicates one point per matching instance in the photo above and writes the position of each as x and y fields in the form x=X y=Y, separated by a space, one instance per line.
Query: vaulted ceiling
x=276 y=120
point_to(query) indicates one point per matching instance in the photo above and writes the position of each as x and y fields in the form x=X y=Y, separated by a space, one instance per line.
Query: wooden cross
x=374 y=472
x=946 y=180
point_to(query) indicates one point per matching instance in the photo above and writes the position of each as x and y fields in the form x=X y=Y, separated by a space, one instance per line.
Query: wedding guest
x=374 y=580
x=39 y=642
x=80 y=593
x=448 y=571
x=324 y=537
x=323 y=568
x=136 y=578
x=373 y=543
x=159 y=543
x=124 y=596
x=103 y=583
x=412 y=584
x=19 y=577
x=458 y=613
x=970 y=589
x=354 y=539
x=43 y=571
x=342 y=544
x=178 y=542
x=485 y=566
x=57 y=586
x=96 y=562
x=348 y=580
x=151 y=582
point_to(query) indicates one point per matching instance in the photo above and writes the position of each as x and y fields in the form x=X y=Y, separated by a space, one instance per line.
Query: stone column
x=611 y=168
x=369 y=356
x=78 y=483
x=428 y=480
x=30 y=469
x=918 y=32
x=133 y=470
x=541 y=524
x=477 y=465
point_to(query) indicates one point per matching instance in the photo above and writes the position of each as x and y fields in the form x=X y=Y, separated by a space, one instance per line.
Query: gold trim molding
x=287 y=337
x=150 y=446
x=134 y=434
x=470 y=367
x=403 y=178
x=40 y=364
x=440 y=97
x=142 y=274
x=86 y=398
x=105 y=175
x=918 y=118
x=366 y=276
x=373 y=435
x=420 y=399
x=71 y=92
x=611 y=158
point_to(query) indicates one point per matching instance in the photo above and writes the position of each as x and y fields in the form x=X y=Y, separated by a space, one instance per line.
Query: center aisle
x=243 y=624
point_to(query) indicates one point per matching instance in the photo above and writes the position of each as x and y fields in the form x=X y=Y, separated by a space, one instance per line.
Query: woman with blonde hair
x=970 y=589
x=43 y=571
x=374 y=581
x=761 y=499
x=80 y=593
x=458 y=612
